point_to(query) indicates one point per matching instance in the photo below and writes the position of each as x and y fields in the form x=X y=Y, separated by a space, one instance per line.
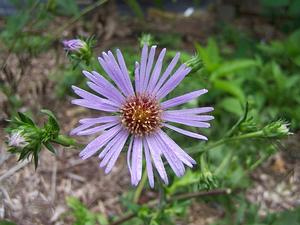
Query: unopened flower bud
x=79 y=50
x=17 y=140
x=146 y=39
x=194 y=63
x=75 y=45
x=277 y=129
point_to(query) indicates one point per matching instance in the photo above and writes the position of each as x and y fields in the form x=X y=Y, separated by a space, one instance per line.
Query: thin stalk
x=170 y=200
x=162 y=196
x=256 y=134
x=224 y=163
x=140 y=187
x=65 y=141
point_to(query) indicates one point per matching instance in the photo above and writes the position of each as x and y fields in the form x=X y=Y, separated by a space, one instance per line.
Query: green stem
x=258 y=162
x=140 y=187
x=256 y=134
x=223 y=165
x=65 y=141
x=162 y=196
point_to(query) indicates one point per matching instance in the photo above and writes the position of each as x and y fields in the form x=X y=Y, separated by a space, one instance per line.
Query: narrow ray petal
x=156 y=71
x=106 y=93
x=125 y=71
x=91 y=97
x=120 y=74
x=107 y=66
x=143 y=66
x=105 y=85
x=110 y=145
x=92 y=105
x=182 y=99
x=176 y=164
x=157 y=159
x=97 y=129
x=191 y=111
x=148 y=164
x=101 y=119
x=200 y=118
x=185 y=132
x=137 y=78
x=173 y=82
x=149 y=67
x=111 y=148
x=185 y=121
x=99 y=142
x=129 y=155
x=111 y=157
x=137 y=156
x=167 y=72
x=181 y=154
x=81 y=127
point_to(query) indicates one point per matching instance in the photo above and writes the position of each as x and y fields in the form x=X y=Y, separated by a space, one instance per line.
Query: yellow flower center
x=141 y=115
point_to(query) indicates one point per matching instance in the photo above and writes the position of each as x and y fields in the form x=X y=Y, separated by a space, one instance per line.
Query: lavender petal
x=157 y=159
x=191 y=111
x=99 y=142
x=148 y=164
x=182 y=99
x=156 y=71
x=167 y=72
x=185 y=132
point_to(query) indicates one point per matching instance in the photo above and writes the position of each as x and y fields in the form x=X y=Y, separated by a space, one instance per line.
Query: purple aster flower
x=139 y=115
x=17 y=140
x=74 y=45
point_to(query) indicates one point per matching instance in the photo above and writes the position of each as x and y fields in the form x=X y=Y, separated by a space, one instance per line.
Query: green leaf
x=50 y=147
x=82 y=215
x=296 y=60
x=35 y=159
x=210 y=55
x=136 y=8
x=52 y=123
x=294 y=8
x=232 y=67
x=6 y=222
x=26 y=119
x=67 y=7
x=232 y=105
x=231 y=88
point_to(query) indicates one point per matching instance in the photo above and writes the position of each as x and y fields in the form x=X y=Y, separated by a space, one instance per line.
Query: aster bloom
x=17 y=140
x=74 y=45
x=138 y=115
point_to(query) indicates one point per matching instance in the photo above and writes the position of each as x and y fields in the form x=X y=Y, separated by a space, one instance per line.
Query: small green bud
x=194 y=63
x=146 y=39
x=277 y=129
x=207 y=180
x=26 y=138
x=79 y=50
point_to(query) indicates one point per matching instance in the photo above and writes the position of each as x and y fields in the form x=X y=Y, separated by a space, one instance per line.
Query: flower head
x=139 y=114
x=74 y=45
x=17 y=140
